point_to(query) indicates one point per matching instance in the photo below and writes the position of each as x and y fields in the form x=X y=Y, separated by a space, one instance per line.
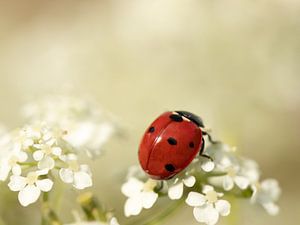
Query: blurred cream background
x=235 y=63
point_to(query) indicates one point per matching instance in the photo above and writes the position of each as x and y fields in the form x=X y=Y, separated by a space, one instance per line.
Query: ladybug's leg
x=210 y=138
x=202 y=151
x=160 y=187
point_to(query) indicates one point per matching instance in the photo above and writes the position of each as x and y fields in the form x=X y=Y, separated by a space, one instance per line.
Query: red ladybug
x=170 y=143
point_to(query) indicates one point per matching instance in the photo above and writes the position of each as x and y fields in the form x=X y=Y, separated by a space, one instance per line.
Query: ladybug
x=170 y=144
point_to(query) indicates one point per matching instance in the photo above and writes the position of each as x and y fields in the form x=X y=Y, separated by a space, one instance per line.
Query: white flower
x=79 y=175
x=266 y=193
x=29 y=187
x=249 y=168
x=11 y=163
x=207 y=165
x=88 y=128
x=176 y=190
x=140 y=195
x=208 y=207
x=46 y=151
x=233 y=175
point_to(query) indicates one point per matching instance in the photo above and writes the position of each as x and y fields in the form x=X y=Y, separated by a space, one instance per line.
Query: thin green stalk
x=92 y=207
x=49 y=217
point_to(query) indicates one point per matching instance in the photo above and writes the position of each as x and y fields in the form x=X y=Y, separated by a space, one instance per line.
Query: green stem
x=91 y=207
x=49 y=217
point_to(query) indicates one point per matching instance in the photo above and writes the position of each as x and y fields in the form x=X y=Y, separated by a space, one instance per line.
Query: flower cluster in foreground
x=48 y=148
x=33 y=154
x=203 y=185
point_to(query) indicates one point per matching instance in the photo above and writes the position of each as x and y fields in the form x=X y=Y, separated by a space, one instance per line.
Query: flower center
x=231 y=171
x=211 y=196
x=31 y=178
x=257 y=185
x=13 y=160
x=47 y=150
x=73 y=165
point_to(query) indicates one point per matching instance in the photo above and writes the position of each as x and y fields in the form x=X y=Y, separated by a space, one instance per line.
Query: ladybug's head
x=192 y=117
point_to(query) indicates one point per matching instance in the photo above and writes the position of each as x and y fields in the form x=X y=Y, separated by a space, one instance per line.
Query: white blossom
x=233 y=175
x=267 y=193
x=46 y=150
x=29 y=187
x=79 y=175
x=11 y=163
x=140 y=195
x=175 y=191
x=88 y=127
x=208 y=206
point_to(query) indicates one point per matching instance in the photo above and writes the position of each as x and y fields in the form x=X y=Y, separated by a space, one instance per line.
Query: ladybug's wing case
x=152 y=133
x=173 y=151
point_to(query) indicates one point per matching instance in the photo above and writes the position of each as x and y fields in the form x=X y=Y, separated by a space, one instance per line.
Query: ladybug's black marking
x=176 y=118
x=151 y=129
x=192 y=117
x=172 y=141
x=191 y=144
x=170 y=167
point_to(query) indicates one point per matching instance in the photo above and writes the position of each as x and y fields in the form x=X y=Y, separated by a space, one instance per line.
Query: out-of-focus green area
x=235 y=63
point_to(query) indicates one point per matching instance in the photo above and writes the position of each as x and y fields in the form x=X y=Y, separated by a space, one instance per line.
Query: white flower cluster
x=88 y=128
x=31 y=155
x=228 y=173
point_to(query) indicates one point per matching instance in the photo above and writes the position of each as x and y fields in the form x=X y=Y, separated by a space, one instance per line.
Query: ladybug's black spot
x=151 y=129
x=170 y=167
x=176 y=118
x=172 y=141
x=191 y=144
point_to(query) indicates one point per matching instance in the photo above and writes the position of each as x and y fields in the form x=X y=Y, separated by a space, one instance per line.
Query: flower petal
x=133 y=206
x=241 y=182
x=28 y=195
x=189 y=181
x=82 y=180
x=206 y=214
x=38 y=155
x=207 y=188
x=56 y=151
x=16 y=170
x=17 y=183
x=195 y=199
x=66 y=175
x=148 y=199
x=131 y=187
x=46 y=163
x=271 y=186
x=44 y=185
x=22 y=156
x=175 y=191
x=271 y=208
x=223 y=207
x=207 y=165
x=227 y=183
x=4 y=170
x=114 y=221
